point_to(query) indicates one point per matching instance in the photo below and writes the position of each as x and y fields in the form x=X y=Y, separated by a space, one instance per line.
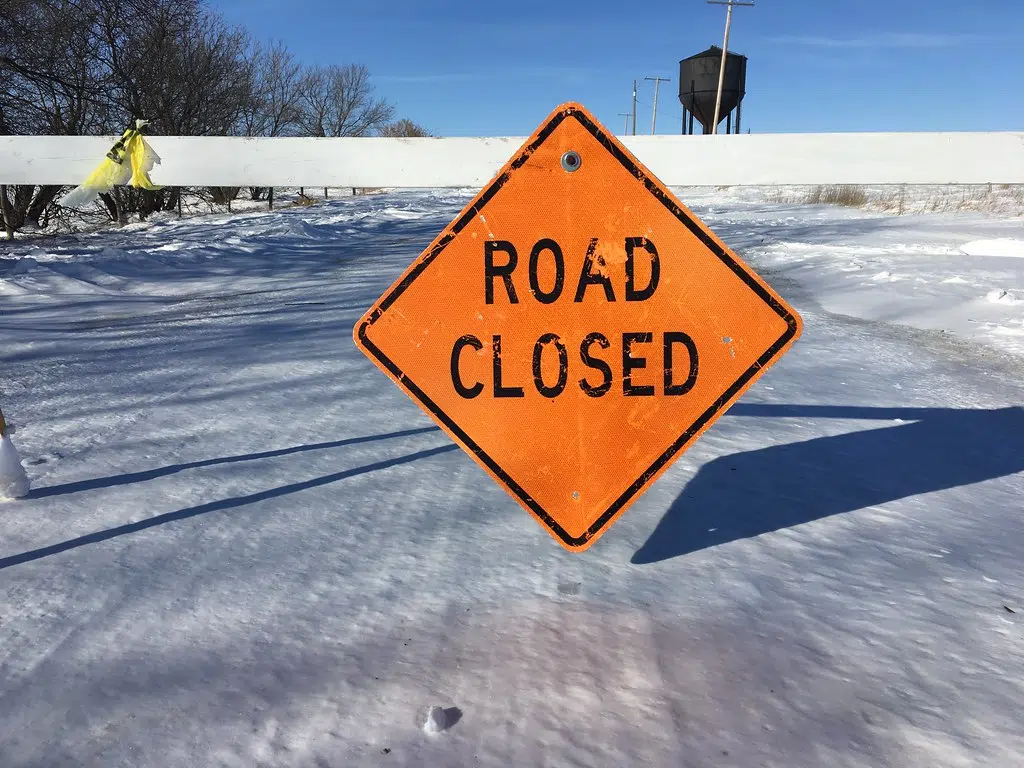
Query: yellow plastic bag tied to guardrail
x=113 y=171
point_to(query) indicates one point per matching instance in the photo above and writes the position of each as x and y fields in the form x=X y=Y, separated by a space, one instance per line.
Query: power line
x=662 y=111
x=725 y=47
x=657 y=82
x=634 y=107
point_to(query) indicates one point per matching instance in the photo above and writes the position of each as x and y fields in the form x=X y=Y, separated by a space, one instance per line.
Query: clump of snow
x=434 y=720
x=999 y=296
x=14 y=482
x=885 y=275
x=1006 y=247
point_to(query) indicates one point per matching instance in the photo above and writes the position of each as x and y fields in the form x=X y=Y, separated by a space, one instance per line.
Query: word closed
x=637 y=355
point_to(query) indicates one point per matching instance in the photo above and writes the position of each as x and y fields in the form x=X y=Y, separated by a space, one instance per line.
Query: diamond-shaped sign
x=576 y=328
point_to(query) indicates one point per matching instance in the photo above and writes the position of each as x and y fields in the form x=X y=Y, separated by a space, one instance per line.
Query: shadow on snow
x=152 y=474
x=213 y=506
x=748 y=494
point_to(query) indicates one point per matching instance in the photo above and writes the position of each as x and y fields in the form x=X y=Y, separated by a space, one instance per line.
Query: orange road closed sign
x=576 y=328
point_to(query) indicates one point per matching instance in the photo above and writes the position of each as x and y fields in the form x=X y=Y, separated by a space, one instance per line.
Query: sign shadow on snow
x=152 y=474
x=755 y=492
x=216 y=506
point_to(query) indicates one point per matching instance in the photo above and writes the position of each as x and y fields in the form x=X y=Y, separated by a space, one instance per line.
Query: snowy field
x=245 y=547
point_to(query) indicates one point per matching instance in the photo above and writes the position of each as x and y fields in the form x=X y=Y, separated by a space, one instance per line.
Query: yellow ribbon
x=112 y=171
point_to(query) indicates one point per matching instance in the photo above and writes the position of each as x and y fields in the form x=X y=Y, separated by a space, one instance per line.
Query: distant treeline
x=91 y=67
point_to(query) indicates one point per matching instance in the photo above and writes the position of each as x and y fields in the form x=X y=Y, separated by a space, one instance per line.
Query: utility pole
x=634 y=108
x=625 y=130
x=657 y=82
x=725 y=49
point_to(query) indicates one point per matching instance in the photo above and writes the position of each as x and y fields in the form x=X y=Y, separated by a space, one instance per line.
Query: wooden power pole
x=725 y=50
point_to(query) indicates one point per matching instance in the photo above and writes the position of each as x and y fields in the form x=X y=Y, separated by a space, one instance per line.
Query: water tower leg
x=693 y=100
x=739 y=114
x=728 y=123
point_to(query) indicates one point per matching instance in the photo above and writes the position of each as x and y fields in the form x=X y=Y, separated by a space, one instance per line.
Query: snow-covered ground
x=245 y=547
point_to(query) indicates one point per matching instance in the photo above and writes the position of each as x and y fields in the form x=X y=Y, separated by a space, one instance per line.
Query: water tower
x=698 y=88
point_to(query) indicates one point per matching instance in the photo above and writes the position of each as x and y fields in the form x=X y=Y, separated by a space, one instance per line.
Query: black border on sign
x=675 y=447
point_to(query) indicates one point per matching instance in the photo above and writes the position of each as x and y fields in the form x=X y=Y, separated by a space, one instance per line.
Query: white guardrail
x=746 y=159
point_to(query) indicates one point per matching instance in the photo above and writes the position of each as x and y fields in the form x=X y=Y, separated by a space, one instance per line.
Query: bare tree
x=178 y=65
x=94 y=66
x=403 y=128
x=181 y=67
x=52 y=84
x=338 y=101
x=275 y=105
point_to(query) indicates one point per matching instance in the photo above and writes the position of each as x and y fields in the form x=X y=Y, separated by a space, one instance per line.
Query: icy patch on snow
x=175 y=246
x=389 y=213
x=1005 y=247
x=14 y=482
x=405 y=214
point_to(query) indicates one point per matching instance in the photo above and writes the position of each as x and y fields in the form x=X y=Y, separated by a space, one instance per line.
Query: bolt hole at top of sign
x=571 y=161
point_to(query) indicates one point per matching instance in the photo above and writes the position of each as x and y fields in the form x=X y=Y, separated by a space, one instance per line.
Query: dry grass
x=1003 y=199
x=779 y=196
x=838 y=194
x=991 y=199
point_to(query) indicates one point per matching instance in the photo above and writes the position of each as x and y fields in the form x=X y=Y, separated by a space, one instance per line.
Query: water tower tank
x=698 y=86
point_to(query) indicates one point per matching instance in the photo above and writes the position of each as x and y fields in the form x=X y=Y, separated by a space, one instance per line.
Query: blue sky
x=477 y=69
